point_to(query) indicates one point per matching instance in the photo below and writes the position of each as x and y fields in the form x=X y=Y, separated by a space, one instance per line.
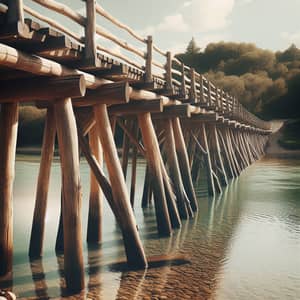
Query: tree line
x=266 y=82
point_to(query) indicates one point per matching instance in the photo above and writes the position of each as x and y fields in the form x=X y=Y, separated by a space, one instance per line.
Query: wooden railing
x=192 y=86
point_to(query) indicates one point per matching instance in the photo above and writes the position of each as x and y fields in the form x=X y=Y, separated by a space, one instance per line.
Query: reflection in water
x=243 y=244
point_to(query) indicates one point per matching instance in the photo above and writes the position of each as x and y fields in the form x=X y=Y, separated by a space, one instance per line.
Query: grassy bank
x=291 y=135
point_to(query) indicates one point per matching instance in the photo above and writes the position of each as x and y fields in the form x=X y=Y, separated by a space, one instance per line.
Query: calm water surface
x=244 y=244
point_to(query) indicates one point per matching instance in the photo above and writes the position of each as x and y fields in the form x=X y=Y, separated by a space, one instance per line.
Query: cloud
x=173 y=23
x=207 y=15
x=195 y=16
x=291 y=37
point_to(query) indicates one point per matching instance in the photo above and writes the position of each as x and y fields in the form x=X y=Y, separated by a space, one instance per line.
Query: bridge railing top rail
x=192 y=86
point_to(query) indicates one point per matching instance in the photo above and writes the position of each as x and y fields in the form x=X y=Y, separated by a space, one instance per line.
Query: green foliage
x=267 y=83
x=192 y=48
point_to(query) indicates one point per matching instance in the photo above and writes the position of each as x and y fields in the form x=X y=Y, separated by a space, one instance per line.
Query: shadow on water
x=188 y=265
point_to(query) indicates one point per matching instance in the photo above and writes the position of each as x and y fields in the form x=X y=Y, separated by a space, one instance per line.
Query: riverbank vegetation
x=266 y=82
x=291 y=135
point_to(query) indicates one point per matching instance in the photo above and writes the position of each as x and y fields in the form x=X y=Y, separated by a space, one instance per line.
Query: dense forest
x=267 y=83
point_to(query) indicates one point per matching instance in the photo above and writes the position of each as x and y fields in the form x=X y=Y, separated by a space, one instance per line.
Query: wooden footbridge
x=171 y=115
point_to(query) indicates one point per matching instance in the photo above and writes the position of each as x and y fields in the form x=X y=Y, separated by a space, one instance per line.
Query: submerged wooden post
x=133 y=246
x=172 y=161
x=184 y=163
x=217 y=153
x=154 y=165
x=38 y=224
x=71 y=194
x=8 y=137
x=94 y=231
x=210 y=178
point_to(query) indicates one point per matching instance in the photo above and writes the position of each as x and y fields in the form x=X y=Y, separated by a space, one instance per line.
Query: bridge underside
x=177 y=136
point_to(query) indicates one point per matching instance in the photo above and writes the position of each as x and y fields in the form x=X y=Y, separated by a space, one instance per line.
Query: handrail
x=62 y=9
x=191 y=84
x=109 y=17
x=53 y=23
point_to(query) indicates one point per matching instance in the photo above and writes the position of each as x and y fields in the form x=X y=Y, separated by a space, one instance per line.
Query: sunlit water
x=244 y=244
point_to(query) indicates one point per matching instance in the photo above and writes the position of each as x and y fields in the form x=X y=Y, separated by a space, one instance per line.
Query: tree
x=192 y=47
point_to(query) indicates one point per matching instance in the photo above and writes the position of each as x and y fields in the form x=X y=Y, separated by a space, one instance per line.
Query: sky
x=270 y=24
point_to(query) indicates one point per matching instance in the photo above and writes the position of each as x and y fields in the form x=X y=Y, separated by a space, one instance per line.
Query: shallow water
x=244 y=244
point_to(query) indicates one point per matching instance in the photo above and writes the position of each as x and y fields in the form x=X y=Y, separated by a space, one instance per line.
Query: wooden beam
x=8 y=136
x=137 y=107
x=42 y=89
x=111 y=93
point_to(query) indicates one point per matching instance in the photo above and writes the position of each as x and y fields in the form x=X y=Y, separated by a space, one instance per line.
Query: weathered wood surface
x=94 y=231
x=8 y=136
x=133 y=246
x=39 y=217
x=154 y=165
x=71 y=194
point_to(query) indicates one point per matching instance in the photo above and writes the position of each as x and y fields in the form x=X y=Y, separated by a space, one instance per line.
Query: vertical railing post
x=90 y=33
x=169 y=84
x=15 y=12
x=202 y=100
x=148 y=71
x=193 y=93
x=183 y=86
x=209 y=94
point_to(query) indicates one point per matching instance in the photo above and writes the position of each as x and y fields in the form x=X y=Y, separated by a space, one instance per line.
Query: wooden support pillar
x=133 y=246
x=126 y=148
x=134 y=166
x=8 y=138
x=228 y=159
x=235 y=162
x=217 y=153
x=210 y=177
x=182 y=200
x=147 y=191
x=38 y=224
x=94 y=231
x=154 y=165
x=71 y=194
x=184 y=163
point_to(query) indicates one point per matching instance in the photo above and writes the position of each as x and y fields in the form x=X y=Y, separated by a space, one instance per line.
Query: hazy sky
x=271 y=24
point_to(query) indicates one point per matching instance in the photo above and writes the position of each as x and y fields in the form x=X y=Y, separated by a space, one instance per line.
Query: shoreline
x=274 y=150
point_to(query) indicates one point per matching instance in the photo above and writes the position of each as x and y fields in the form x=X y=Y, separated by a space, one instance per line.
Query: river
x=244 y=244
